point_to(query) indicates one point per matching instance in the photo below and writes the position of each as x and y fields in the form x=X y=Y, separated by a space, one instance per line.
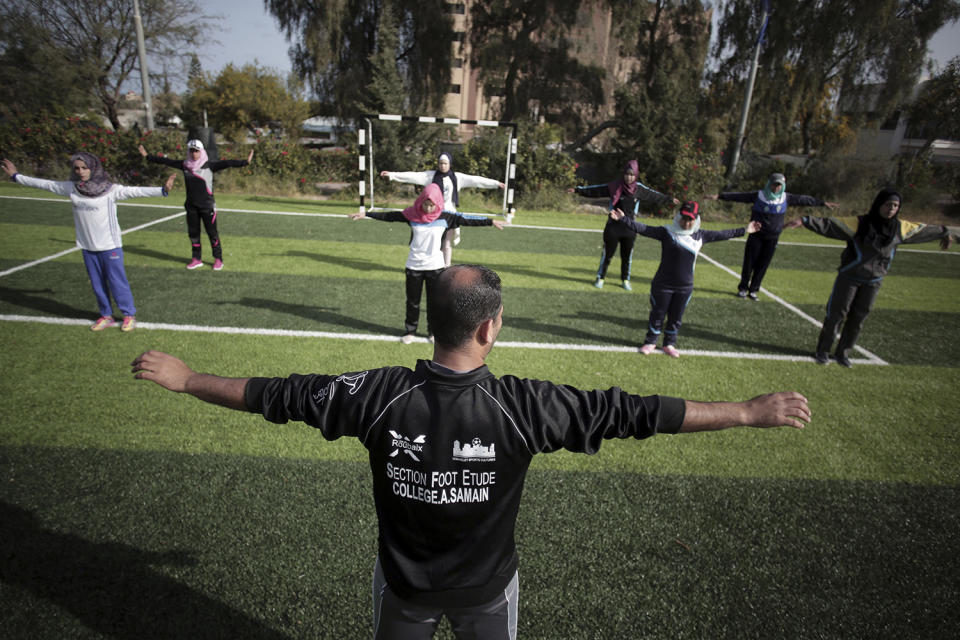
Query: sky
x=248 y=34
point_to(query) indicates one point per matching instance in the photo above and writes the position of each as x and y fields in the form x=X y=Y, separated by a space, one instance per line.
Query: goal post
x=365 y=151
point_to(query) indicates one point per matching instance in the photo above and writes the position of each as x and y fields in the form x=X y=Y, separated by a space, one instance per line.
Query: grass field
x=128 y=512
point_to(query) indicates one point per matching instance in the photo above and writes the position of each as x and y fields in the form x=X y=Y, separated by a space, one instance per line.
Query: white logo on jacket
x=403 y=443
x=475 y=450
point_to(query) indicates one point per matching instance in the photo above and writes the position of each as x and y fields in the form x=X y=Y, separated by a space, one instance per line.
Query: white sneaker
x=671 y=351
x=406 y=338
x=648 y=348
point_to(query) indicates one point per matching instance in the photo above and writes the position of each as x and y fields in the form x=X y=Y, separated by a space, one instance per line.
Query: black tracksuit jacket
x=449 y=454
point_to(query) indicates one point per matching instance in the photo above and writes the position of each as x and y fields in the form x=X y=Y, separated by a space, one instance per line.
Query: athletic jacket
x=449 y=453
x=678 y=253
x=864 y=263
x=770 y=214
x=95 y=219
x=199 y=184
x=425 y=253
x=628 y=202
x=464 y=181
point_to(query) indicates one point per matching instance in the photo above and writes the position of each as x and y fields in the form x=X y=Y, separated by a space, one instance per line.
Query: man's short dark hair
x=464 y=296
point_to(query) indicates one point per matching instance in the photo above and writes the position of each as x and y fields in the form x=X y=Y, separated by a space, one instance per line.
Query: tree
x=814 y=49
x=336 y=43
x=935 y=114
x=31 y=63
x=97 y=40
x=245 y=100
x=657 y=108
x=522 y=50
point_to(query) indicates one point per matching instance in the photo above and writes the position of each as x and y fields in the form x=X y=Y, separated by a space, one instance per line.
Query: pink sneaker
x=647 y=349
x=194 y=264
x=217 y=264
x=129 y=324
x=102 y=323
x=671 y=351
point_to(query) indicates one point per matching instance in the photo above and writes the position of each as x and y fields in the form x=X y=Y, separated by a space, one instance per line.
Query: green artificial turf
x=127 y=511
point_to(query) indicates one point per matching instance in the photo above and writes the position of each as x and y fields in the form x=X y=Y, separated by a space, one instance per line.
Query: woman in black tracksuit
x=625 y=195
x=871 y=244
x=198 y=173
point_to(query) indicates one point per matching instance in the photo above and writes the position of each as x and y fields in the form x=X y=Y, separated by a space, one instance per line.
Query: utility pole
x=144 y=74
x=741 y=131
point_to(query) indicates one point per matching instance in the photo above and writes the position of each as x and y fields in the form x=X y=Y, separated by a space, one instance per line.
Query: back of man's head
x=464 y=296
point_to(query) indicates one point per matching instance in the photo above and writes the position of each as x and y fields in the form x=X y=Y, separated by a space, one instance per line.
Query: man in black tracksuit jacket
x=449 y=446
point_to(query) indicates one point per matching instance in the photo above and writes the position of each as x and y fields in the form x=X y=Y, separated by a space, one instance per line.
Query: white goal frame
x=365 y=151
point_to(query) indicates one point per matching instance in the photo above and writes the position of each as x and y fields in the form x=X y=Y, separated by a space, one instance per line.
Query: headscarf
x=192 y=164
x=688 y=207
x=769 y=195
x=416 y=213
x=875 y=230
x=618 y=186
x=99 y=182
x=438 y=177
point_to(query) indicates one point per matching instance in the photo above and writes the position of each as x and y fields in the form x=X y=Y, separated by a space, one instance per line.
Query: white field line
x=331 y=335
x=871 y=357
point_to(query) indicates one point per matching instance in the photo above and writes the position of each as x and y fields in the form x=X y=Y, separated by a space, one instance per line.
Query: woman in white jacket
x=450 y=183
x=94 y=198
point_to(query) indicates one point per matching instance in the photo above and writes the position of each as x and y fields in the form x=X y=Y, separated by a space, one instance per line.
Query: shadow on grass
x=26 y=298
x=319 y=314
x=526 y=271
x=340 y=261
x=113 y=588
x=554 y=332
x=699 y=332
x=156 y=255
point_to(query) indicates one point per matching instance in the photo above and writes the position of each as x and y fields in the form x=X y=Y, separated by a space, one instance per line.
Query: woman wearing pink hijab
x=198 y=172
x=626 y=194
x=428 y=222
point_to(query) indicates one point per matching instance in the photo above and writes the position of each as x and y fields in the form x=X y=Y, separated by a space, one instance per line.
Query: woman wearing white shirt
x=450 y=183
x=94 y=198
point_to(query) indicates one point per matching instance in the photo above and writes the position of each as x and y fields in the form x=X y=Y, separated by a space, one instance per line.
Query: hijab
x=438 y=177
x=618 y=186
x=99 y=182
x=768 y=195
x=416 y=213
x=192 y=164
x=875 y=230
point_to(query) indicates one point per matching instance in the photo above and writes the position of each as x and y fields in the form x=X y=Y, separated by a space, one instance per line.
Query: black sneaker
x=742 y=293
x=821 y=357
x=753 y=296
x=843 y=361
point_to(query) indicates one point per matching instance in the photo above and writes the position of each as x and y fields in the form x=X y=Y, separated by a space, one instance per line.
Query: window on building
x=457 y=63
x=454 y=88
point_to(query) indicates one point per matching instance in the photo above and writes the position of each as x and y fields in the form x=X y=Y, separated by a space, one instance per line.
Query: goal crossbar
x=365 y=151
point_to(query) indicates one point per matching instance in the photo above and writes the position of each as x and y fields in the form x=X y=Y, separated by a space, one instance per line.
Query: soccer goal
x=365 y=145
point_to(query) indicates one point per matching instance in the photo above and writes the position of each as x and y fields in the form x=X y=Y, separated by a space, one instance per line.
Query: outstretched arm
x=8 y=167
x=174 y=375
x=783 y=409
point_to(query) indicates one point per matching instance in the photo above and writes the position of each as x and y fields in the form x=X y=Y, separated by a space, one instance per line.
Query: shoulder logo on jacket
x=353 y=381
x=403 y=443
x=475 y=451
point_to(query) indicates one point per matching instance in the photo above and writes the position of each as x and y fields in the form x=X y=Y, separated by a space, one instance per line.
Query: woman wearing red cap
x=198 y=173
x=672 y=285
x=625 y=194
x=428 y=223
